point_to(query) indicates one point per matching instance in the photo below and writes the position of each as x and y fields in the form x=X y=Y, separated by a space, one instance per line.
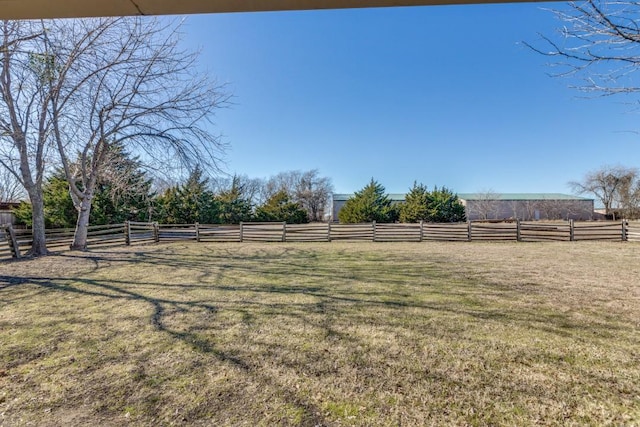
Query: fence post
x=469 y=231
x=4 y=232
x=373 y=224
x=156 y=232
x=241 y=231
x=518 y=236
x=625 y=235
x=197 y=232
x=572 y=236
x=127 y=233
x=13 y=242
x=329 y=231
x=284 y=231
x=421 y=230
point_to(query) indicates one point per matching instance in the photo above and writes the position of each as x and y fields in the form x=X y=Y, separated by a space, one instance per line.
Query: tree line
x=293 y=197
x=372 y=204
x=73 y=91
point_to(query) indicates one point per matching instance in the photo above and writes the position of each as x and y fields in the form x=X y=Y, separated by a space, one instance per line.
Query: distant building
x=526 y=206
x=6 y=212
x=523 y=206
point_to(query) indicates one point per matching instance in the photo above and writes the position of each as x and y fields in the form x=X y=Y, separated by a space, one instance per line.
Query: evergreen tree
x=189 y=203
x=439 y=205
x=367 y=205
x=280 y=208
x=168 y=206
x=416 y=205
x=59 y=211
x=233 y=207
x=444 y=206
x=124 y=193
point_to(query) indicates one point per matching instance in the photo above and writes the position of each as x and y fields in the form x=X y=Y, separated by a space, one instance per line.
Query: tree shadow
x=292 y=278
x=122 y=290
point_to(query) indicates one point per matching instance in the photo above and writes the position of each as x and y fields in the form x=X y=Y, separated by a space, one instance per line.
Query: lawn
x=333 y=334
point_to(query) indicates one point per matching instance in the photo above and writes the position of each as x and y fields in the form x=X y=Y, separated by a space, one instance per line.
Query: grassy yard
x=328 y=334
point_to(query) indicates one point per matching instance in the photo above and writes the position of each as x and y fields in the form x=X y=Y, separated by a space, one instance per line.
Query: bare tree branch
x=24 y=107
x=129 y=84
x=614 y=186
x=598 y=44
x=86 y=86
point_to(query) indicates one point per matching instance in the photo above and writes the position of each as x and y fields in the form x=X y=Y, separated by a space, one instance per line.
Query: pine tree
x=189 y=203
x=59 y=211
x=124 y=193
x=444 y=206
x=367 y=205
x=416 y=205
x=439 y=205
x=233 y=207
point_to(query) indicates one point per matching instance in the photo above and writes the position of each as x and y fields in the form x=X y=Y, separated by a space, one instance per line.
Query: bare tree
x=599 y=43
x=580 y=210
x=553 y=209
x=84 y=86
x=607 y=184
x=515 y=209
x=628 y=196
x=485 y=206
x=313 y=192
x=25 y=107
x=252 y=189
x=283 y=181
x=125 y=82
x=530 y=210
x=307 y=188
x=10 y=188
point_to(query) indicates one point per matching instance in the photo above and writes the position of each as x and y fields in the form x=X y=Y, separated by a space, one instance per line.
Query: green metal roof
x=520 y=196
x=394 y=197
x=398 y=197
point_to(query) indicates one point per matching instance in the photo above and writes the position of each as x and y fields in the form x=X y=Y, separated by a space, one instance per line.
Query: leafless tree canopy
x=252 y=189
x=307 y=188
x=25 y=120
x=128 y=84
x=11 y=190
x=487 y=205
x=616 y=187
x=599 y=43
x=85 y=86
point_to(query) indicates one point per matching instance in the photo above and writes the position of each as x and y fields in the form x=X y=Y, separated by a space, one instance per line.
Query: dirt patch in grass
x=323 y=334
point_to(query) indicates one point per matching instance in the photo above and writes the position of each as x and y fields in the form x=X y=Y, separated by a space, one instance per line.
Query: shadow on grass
x=293 y=273
x=114 y=289
x=296 y=271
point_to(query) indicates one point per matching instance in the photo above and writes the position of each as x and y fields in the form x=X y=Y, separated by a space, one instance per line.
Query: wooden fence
x=14 y=242
x=632 y=231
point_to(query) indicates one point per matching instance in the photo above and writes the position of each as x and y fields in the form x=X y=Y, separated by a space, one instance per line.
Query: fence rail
x=633 y=231
x=6 y=250
x=14 y=242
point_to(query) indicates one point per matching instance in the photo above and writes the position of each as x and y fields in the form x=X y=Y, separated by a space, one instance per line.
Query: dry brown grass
x=323 y=334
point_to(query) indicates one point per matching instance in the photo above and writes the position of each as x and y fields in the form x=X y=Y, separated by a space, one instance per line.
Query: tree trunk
x=39 y=245
x=82 y=225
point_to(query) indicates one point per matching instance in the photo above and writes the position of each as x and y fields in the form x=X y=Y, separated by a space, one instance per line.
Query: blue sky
x=443 y=95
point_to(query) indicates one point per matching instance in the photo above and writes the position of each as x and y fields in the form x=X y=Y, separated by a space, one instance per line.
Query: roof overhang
x=35 y=9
